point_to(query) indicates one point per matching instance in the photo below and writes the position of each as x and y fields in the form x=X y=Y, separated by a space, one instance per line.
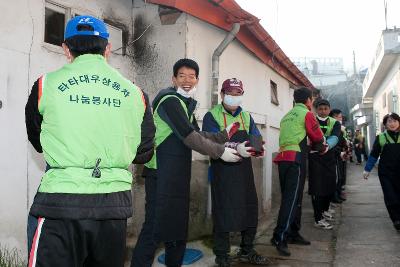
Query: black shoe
x=396 y=225
x=298 y=240
x=281 y=247
x=252 y=257
x=223 y=261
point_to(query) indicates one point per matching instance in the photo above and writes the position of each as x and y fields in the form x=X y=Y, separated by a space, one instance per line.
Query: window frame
x=69 y=13
x=274 y=92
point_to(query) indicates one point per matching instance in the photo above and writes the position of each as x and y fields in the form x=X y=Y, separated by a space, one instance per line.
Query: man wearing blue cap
x=90 y=123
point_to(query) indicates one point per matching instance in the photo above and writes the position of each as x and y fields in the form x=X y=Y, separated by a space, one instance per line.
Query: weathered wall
x=158 y=47
x=25 y=57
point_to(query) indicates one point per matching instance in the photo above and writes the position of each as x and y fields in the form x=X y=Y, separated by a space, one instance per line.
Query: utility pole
x=354 y=63
x=385 y=4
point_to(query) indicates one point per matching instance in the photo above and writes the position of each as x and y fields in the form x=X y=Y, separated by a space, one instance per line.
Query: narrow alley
x=363 y=234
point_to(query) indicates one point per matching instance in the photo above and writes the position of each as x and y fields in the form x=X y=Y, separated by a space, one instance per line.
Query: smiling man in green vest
x=168 y=174
x=90 y=123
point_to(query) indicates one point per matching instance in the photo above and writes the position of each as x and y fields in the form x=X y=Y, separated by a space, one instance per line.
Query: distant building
x=328 y=75
x=322 y=72
x=362 y=118
x=382 y=82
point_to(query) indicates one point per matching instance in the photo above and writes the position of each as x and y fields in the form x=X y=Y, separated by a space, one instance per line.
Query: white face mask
x=186 y=94
x=233 y=100
x=322 y=119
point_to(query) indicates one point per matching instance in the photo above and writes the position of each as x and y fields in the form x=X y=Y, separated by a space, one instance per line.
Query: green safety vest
x=384 y=138
x=162 y=129
x=328 y=127
x=292 y=128
x=224 y=118
x=90 y=112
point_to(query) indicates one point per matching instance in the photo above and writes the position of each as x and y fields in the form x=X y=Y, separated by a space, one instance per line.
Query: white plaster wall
x=391 y=83
x=24 y=57
x=237 y=61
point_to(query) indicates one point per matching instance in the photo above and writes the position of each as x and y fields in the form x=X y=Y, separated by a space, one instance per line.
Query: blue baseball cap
x=99 y=27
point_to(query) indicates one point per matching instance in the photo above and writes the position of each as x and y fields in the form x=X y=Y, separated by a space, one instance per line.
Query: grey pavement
x=366 y=236
x=363 y=234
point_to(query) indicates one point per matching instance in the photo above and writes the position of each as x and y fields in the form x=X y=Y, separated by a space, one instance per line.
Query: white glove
x=365 y=175
x=243 y=150
x=230 y=155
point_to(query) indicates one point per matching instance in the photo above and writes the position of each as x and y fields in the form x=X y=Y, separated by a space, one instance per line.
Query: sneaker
x=323 y=224
x=331 y=211
x=298 y=240
x=281 y=247
x=328 y=216
x=223 y=261
x=333 y=205
x=252 y=257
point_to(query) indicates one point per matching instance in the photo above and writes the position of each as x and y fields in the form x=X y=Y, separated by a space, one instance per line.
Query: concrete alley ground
x=363 y=234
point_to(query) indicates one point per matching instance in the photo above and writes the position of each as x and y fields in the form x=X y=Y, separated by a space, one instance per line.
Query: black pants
x=344 y=173
x=340 y=177
x=78 y=243
x=291 y=178
x=222 y=243
x=146 y=246
x=320 y=204
x=391 y=193
x=360 y=152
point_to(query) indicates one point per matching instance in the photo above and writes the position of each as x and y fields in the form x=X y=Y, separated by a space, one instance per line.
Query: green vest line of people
x=91 y=124
x=319 y=140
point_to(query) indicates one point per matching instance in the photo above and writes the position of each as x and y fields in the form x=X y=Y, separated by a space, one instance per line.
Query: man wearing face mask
x=167 y=175
x=323 y=169
x=298 y=124
x=234 y=197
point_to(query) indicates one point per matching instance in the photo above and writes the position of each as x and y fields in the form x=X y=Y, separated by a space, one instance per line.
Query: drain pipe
x=214 y=87
x=215 y=62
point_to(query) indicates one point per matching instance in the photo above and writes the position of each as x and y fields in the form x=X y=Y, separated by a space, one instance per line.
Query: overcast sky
x=322 y=28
